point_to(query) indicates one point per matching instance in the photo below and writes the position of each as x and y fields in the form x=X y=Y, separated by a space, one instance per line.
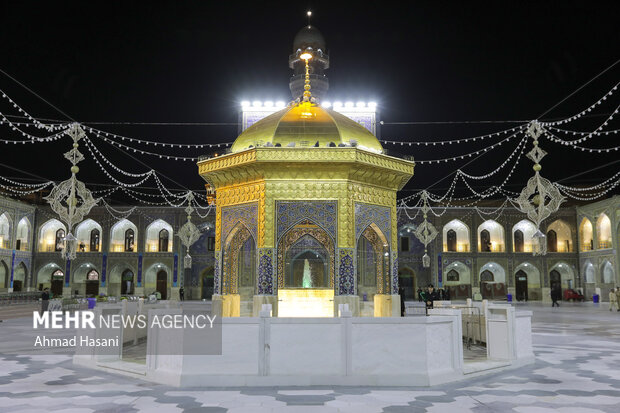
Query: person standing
x=401 y=293
x=182 y=294
x=613 y=300
x=45 y=300
x=618 y=297
x=555 y=293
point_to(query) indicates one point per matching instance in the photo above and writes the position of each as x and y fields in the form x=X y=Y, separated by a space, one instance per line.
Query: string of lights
x=583 y=112
x=452 y=141
x=30 y=138
x=36 y=122
x=108 y=137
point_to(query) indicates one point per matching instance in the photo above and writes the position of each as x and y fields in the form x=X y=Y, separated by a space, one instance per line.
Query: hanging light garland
x=70 y=199
x=425 y=232
x=188 y=233
x=540 y=198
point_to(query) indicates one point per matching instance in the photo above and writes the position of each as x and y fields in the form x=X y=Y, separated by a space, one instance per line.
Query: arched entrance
x=406 y=280
x=373 y=263
x=306 y=249
x=521 y=286
x=206 y=284
x=162 y=284
x=92 y=283
x=306 y=267
x=127 y=283
x=4 y=275
x=492 y=281
x=239 y=263
x=57 y=281
x=20 y=275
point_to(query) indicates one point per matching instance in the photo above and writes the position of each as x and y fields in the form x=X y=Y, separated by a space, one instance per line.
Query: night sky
x=422 y=61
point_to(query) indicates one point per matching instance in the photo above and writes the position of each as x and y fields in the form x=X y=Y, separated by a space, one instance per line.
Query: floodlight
x=257 y=103
x=245 y=104
x=360 y=104
x=348 y=104
x=268 y=103
x=326 y=104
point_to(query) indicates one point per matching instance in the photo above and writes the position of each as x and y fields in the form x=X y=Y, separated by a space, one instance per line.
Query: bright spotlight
x=337 y=104
x=245 y=104
x=257 y=103
x=268 y=104
x=360 y=104
x=372 y=105
x=348 y=104
x=326 y=104
x=305 y=56
x=280 y=104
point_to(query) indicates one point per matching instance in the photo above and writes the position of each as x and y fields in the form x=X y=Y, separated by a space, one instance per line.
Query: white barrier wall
x=266 y=351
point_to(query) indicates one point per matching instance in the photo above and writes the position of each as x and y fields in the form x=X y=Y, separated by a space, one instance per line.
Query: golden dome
x=304 y=124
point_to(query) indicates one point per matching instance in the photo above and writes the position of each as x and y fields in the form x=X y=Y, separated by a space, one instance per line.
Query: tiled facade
x=589 y=266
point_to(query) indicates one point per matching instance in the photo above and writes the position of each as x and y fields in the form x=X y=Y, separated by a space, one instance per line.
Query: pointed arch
x=608 y=275
x=88 y=233
x=4 y=275
x=586 y=241
x=238 y=241
x=159 y=236
x=456 y=236
x=560 y=236
x=49 y=234
x=522 y=236
x=589 y=273
x=23 y=234
x=603 y=231
x=5 y=231
x=123 y=236
x=373 y=262
x=491 y=237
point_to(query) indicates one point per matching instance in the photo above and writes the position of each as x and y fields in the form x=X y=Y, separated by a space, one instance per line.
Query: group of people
x=614 y=298
x=432 y=294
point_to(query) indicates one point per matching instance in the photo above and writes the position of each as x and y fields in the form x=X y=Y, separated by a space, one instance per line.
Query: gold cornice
x=337 y=163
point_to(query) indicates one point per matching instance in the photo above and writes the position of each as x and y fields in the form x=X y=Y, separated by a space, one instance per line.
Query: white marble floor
x=577 y=371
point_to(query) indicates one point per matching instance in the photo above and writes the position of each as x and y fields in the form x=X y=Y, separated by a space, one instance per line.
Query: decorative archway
x=560 y=236
x=373 y=262
x=239 y=253
x=88 y=234
x=4 y=275
x=20 y=277
x=603 y=231
x=296 y=246
x=457 y=279
x=5 y=231
x=455 y=236
x=586 y=240
x=492 y=281
x=22 y=235
x=527 y=282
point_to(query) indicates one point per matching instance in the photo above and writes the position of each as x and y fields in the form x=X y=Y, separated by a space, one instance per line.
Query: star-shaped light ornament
x=540 y=198
x=70 y=199
x=189 y=232
x=425 y=232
